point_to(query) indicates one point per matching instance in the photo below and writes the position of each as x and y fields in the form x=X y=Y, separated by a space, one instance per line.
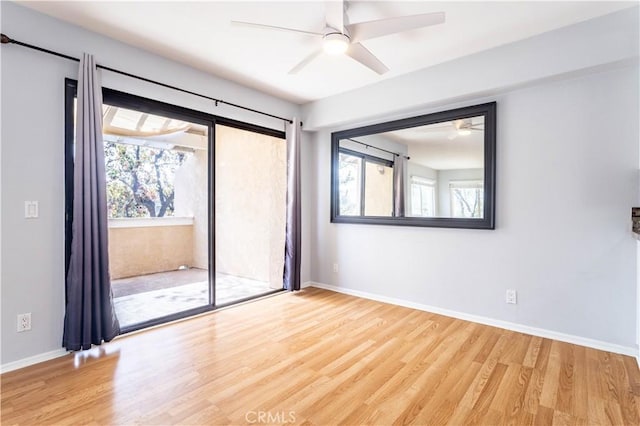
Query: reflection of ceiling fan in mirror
x=464 y=127
x=455 y=128
x=339 y=36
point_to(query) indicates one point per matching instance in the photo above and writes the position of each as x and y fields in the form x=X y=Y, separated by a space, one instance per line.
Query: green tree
x=140 y=180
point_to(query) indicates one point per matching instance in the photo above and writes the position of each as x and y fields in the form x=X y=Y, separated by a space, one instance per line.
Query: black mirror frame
x=487 y=110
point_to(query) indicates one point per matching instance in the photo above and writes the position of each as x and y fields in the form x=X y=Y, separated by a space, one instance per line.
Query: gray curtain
x=293 y=229
x=399 y=167
x=90 y=316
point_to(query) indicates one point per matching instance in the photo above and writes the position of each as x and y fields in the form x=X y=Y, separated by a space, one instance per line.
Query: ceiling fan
x=339 y=36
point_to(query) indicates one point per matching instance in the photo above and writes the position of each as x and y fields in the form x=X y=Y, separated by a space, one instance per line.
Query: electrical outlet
x=335 y=268
x=31 y=209
x=511 y=296
x=24 y=322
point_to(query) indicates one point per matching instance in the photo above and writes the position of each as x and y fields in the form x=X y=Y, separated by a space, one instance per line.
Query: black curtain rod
x=4 y=39
x=395 y=154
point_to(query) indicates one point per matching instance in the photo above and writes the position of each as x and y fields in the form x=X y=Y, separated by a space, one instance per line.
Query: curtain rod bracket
x=5 y=39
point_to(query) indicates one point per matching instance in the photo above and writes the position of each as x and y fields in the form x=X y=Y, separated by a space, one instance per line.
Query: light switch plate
x=30 y=209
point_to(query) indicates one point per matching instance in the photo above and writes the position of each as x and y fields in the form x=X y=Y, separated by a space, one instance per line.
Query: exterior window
x=466 y=198
x=423 y=197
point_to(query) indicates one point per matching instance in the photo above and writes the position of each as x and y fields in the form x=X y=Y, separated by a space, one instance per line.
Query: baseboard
x=534 y=331
x=25 y=362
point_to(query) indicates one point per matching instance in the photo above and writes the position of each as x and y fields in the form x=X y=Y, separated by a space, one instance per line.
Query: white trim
x=25 y=362
x=534 y=331
x=145 y=222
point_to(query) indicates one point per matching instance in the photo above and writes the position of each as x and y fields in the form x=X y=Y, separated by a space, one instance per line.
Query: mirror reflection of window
x=378 y=189
x=365 y=184
x=350 y=178
x=423 y=197
x=466 y=198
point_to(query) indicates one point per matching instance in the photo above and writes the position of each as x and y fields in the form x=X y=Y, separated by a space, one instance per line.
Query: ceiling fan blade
x=305 y=62
x=366 y=58
x=371 y=29
x=334 y=14
x=273 y=27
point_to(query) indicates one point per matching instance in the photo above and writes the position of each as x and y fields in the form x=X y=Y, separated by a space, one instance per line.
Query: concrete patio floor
x=146 y=297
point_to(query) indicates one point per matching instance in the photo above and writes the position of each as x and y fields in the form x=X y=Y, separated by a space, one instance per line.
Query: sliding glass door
x=250 y=188
x=193 y=224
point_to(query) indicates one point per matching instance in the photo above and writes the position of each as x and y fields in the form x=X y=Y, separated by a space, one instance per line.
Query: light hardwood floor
x=318 y=357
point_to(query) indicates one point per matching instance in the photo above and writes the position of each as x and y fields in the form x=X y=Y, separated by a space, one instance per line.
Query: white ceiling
x=199 y=34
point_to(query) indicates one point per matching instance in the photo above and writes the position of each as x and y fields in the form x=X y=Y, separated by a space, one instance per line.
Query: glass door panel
x=157 y=198
x=250 y=197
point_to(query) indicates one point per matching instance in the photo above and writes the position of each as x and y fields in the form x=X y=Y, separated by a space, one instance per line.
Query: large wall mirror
x=433 y=170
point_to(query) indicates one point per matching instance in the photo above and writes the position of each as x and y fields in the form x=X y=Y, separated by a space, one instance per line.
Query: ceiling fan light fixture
x=335 y=43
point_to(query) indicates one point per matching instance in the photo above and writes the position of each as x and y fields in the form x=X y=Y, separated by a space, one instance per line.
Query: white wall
x=567 y=161
x=33 y=156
